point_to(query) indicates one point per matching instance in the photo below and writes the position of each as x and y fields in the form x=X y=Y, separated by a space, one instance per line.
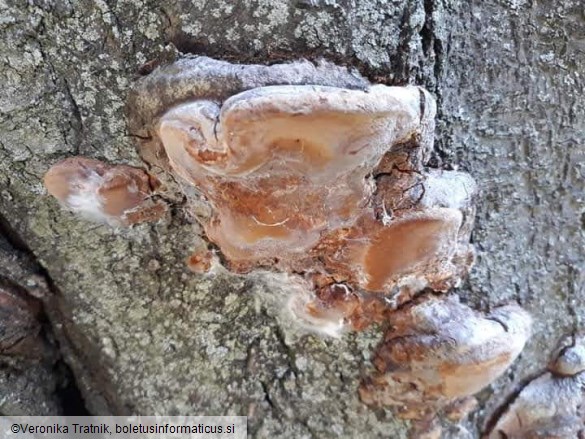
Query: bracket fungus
x=310 y=171
x=552 y=405
x=115 y=194
x=439 y=350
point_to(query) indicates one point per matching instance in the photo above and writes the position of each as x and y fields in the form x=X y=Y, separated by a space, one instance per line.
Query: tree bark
x=143 y=335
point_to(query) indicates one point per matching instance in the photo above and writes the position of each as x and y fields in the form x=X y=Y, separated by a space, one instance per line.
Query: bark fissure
x=67 y=392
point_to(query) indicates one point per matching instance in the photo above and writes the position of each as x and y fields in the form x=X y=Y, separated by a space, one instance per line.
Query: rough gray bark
x=143 y=335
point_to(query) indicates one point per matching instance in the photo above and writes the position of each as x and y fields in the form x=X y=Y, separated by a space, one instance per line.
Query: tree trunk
x=143 y=335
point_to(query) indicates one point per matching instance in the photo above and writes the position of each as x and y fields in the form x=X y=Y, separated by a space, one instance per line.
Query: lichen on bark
x=507 y=74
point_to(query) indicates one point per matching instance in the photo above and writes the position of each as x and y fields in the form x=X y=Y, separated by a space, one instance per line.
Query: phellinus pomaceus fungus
x=310 y=170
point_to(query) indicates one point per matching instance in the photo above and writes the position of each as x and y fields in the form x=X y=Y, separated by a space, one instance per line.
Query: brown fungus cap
x=116 y=194
x=439 y=350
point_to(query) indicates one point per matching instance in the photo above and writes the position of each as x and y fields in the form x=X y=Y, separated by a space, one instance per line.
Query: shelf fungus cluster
x=312 y=171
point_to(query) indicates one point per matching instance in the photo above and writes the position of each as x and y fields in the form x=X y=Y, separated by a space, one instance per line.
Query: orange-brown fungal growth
x=116 y=194
x=284 y=165
x=552 y=405
x=202 y=261
x=310 y=173
x=439 y=350
x=305 y=175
